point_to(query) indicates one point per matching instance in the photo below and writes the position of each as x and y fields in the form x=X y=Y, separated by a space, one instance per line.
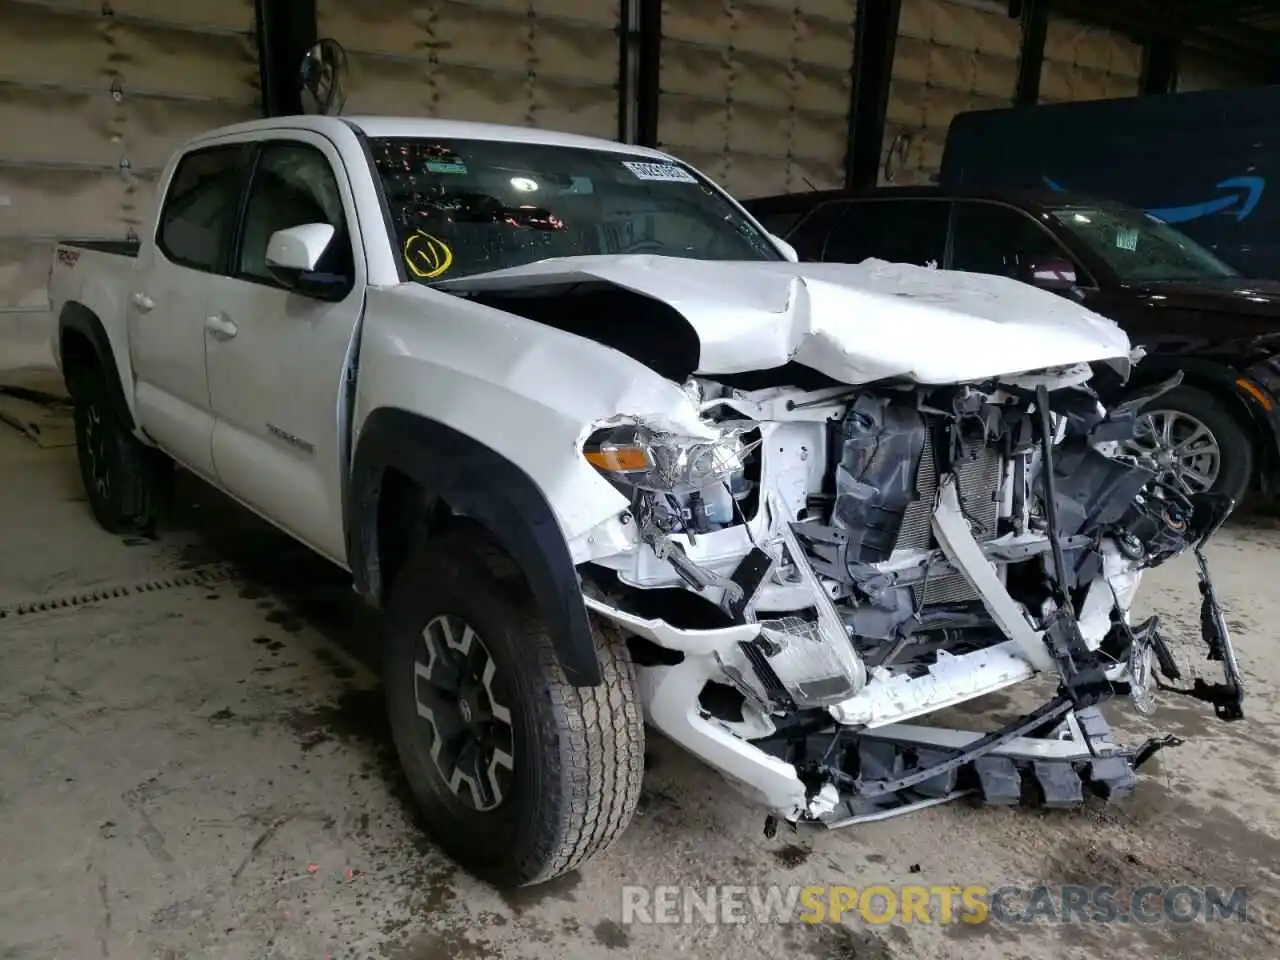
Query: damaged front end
x=813 y=570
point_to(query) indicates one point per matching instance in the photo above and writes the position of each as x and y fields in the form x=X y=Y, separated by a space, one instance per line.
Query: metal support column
x=648 y=80
x=286 y=30
x=639 y=54
x=875 y=35
x=1035 y=30
x=1160 y=65
x=628 y=70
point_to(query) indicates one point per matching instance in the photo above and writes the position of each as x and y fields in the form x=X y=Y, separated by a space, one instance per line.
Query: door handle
x=220 y=328
x=144 y=303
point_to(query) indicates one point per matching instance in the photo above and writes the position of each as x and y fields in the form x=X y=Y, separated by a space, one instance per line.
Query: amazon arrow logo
x=1246 y=192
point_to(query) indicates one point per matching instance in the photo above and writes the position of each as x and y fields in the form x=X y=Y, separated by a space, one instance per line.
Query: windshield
x=460 y=207
x=1140 y=248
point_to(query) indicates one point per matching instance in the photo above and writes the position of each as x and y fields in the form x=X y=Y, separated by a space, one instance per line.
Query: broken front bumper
x=866 y=762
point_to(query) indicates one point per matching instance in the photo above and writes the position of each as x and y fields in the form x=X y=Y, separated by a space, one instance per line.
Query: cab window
x=293 y=184
x=199 y=208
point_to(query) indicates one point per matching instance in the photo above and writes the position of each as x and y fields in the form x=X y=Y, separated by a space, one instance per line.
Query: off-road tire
x=578 y=751
x=126 y=482
x=1235 y=474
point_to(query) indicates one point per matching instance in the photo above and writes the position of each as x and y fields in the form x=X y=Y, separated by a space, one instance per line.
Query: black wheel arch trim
x=486 y=487
x=76 y=317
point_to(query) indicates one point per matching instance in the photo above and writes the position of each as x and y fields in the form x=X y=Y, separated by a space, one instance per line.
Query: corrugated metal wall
x=756 y=92
x=950 y=57
x=958 y=55
x=93 y=97
x=1088 y=63
x=545 y=63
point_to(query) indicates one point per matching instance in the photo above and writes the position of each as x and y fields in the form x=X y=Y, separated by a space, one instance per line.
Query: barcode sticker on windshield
x=669 y=172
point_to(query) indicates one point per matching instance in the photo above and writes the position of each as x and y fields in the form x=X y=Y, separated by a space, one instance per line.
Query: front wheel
x=1195 y=443
x=520 y=775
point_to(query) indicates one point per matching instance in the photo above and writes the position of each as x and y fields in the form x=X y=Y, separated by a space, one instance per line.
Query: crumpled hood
x=853 y=322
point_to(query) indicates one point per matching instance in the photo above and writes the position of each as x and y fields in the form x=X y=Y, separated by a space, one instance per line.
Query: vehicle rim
x=468 y=728
x=1180 y=448
x=95 y=445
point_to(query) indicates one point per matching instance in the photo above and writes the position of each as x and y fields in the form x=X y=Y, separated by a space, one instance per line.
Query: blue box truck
x=1201 y=161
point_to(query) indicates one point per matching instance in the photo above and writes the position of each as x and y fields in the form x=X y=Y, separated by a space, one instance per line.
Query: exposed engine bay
x=820 y=567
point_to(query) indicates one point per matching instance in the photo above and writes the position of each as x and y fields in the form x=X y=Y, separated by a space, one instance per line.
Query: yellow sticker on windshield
x=427 y=257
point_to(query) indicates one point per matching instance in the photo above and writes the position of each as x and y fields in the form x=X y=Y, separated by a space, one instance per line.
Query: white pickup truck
x=606 y=454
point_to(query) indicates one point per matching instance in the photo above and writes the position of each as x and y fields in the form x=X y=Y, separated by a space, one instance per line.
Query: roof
x=466 y=130
x=375 y=126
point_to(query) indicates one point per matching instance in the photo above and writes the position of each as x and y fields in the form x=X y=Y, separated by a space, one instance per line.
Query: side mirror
x=785 y=248
x=294 y=253
x=1052 y=273
x=298 y=249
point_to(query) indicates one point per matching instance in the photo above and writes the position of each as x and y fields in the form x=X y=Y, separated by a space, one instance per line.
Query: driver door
x=276 y=358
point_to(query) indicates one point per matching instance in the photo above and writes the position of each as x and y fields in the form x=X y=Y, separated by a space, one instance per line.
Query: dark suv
x=1220 y=429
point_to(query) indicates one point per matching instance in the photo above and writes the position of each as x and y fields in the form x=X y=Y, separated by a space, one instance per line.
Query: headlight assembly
x=643 y=458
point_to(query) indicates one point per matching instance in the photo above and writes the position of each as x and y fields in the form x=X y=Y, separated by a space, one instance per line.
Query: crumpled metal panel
x=949 y=57
x=94 y=97
x=1088 y=63
x=546 y=63
x=756 y=92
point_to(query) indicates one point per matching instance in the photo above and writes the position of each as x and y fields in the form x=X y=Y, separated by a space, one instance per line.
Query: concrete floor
x=195 y=765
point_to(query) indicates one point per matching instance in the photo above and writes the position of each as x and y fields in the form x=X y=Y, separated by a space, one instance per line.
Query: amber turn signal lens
x=619 y=459
x=1256 y=392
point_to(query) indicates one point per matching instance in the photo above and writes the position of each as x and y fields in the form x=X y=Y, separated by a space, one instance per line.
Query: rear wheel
x=124 y=480
x=1195 y=443
x=520 y=775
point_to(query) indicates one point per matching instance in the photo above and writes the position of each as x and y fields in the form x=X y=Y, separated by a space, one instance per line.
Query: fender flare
x=485 y=487
x=80 y=319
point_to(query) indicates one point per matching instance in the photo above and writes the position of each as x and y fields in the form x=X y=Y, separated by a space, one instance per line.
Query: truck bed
x=96 y=275
x=121 y=248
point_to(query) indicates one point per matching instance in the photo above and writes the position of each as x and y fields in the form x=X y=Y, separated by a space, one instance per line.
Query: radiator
x=978 y=469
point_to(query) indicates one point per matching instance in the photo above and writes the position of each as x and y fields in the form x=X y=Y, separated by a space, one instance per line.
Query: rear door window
x=200 y=207
x=900 y=231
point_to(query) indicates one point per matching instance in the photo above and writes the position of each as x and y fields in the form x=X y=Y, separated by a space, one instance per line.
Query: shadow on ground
x=307 y=589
